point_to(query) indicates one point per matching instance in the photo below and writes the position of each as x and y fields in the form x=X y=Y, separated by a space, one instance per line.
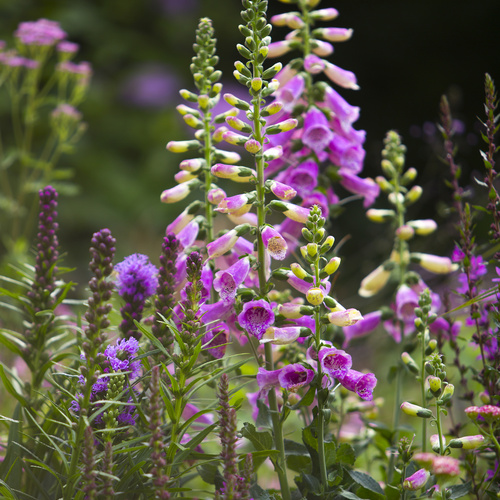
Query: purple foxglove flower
x=303 y=178
x=363 y=327
x=267 y=380
x=335 y=34
x=321 y=48
x=434 y=263
x=212 y=314
x=235 y=204
x=226 y=282
x=179 y=192
x=222 y=244
x=342 y=77
x=295 y=376
x=347 y=155
x=374 y=282
x=290 y=93
x=360 y=383
x=294 y=212
x=41 y=32
x=345 y=317
x=188 y=234
x=367 y=188
x=246 y=218
x=257 y=316
x=282 y=191
x=406 y=302
x=277 y=49
x=190 y=410
x=216 y=195
x=316 y=134
x=416 y=480
x=274 y=243
x=343 y=110
x=314 y=64
x=233 y=172
x=281 y=336
x=333 y=361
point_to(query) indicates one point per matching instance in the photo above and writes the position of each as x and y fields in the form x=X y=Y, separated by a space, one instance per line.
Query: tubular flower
x=283 y=336
x=274 y=243
x=346 y=317
x=293 y=377
x=226 y=282
x=334 y=361
x=434 y=263
x=360 y=383
x=416 y=480
x=257 y=316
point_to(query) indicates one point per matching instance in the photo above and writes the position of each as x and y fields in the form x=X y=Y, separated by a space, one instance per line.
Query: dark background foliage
x=405 y=54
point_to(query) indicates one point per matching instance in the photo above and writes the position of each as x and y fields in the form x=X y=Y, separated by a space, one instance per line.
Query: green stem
x=423 y=393
x=439 y=427
x=209 y=214
x=397 y=410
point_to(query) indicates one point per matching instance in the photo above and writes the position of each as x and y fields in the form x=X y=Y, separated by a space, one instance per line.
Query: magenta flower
x=274 y=243
x=303 y=177
x=346 y=113
x=317 y=134
x=416 y=480
x=363 y=327
x=222 y=244
x=282 y=336
x=295 y=376
x=226 y=282
x=290 y=93
x=41 y=32
x=367 y=188
x=267 y=380
x=334 y=361
x=215 y=340
x=257 y=316
x=406 y=302
x=137 y=277
x=237 y=203
x=360 y=383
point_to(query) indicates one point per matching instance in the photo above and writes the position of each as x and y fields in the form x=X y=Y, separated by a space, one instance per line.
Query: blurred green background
x=405 y=54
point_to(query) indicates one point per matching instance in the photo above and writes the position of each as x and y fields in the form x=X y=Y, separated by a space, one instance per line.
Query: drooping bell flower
x=257 y=316
x=227 y=281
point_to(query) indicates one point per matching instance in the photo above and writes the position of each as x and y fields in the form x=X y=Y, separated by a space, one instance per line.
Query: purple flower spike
x=267 y=380
x=137 y=281
x=317 y=134
x=274 y=242
x=335 y=362
x=257 y=316
x=360 y=383
x=227 y=282
x=295 y=376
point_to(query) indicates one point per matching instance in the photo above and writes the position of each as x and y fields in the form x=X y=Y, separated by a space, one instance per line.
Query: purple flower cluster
x=41 y=32
x=118 y=358
x=136 y=281
x=477 y=268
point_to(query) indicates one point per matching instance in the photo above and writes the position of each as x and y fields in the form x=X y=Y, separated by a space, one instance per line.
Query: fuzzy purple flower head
x=137 y=277
x=41 y=32
x=257 y=316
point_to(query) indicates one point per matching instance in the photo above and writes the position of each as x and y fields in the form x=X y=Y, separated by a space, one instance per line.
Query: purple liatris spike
x=165 y=299
x=47 y=251
x=256 y=317
x=136 y=282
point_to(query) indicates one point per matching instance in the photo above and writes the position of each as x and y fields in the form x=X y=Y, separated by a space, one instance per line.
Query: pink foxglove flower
x=316 y=134
x=416 y=480
x=295 y=376
x=267 y=380
x=226 y=282
x=257 y=316
x=334 y=361
x=274 y=243
x=360 y=383
x=282 y=336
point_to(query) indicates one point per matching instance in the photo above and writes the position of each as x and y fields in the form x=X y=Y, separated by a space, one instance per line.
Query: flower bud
x=183 y=146
x=273 y=153
x=416 y=480
x=312 y=249
x=409 y=176
x=467 y=442
x=435 y=385
x=299 y=271
x=346 y=317
x=216 y=195
x=327 y=245
x=423 y=227
x=415 y=410
x=374 y=282
x=410 y=363
x=192 y=165
x=448 y=391
x=332 y=265
x=405 y=232
x=238 y=124
x=434 y=263
x=253 y=146
x=380 y=215
x=284 y=126
x=324 y=14
x=233 y=172
x=236 y=102
x=396 y=198
x=315 y=296
x=431 y=347
x=413 y=194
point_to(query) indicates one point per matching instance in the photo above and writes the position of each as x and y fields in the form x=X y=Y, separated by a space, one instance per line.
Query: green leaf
x=10 y=388
x=346 y=454
x=459 y=490
x=264 y=418
x=261 y=440
x=11 y=466
x=349 y=495
x=367 y=482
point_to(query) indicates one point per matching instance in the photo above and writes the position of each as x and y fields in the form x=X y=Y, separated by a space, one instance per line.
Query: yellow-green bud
x=327 y=244
x=315 y=296
x=415 y=410
x=410 y=363
x=299 y=271
x=467 y=442
x=413 y=194
x=435 y=385
x=448 y=391
x=332 y=265
x=312 y=249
